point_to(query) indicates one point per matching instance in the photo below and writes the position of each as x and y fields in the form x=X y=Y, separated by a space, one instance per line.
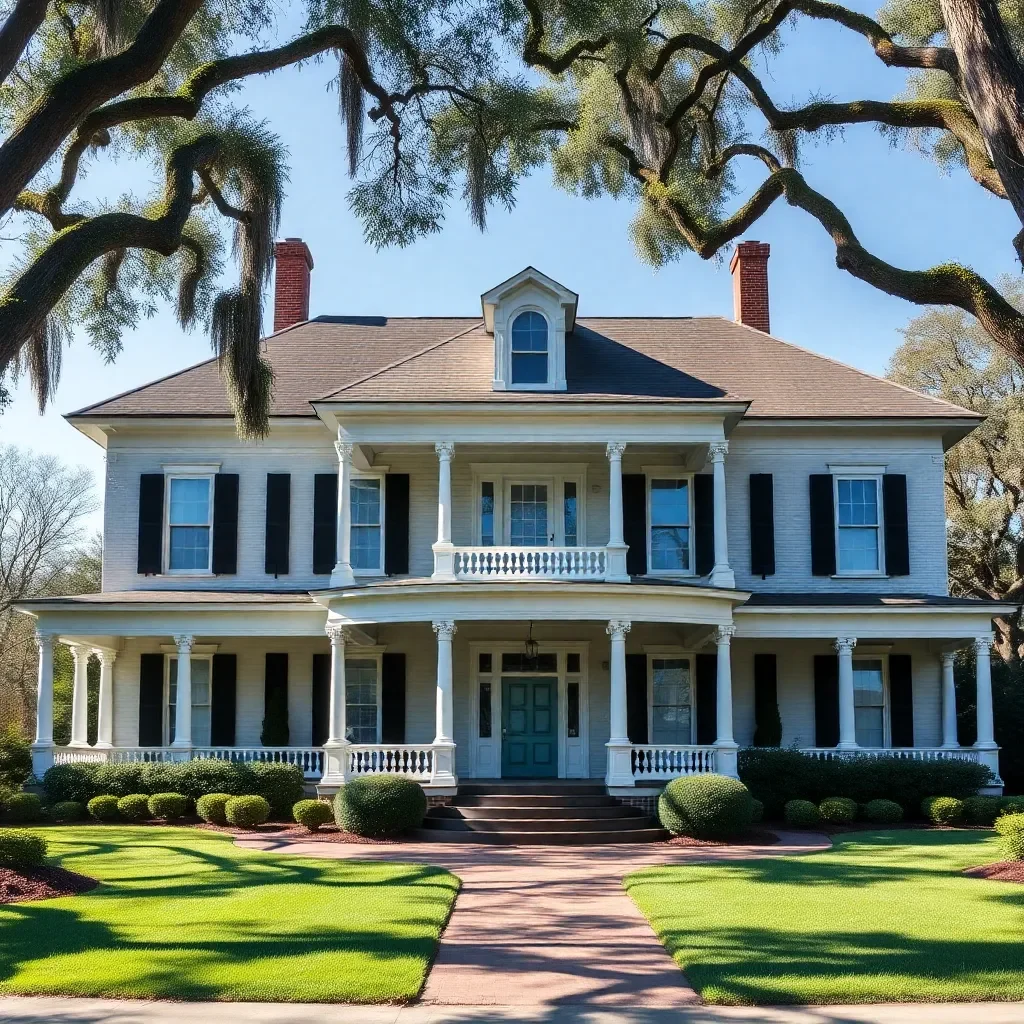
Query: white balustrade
x=906 y=753
x=76 y=755
x=492 y=563
x=309 y=759
x=663 y=761
x=410 y=759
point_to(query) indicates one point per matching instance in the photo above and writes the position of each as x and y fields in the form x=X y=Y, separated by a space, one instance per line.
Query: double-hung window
x=362 y=711
x=858 y=525
x=200 y=699
x=671 y=701
x=670 y=516
x=367 y=536
x=189 y=524
x=869 y=701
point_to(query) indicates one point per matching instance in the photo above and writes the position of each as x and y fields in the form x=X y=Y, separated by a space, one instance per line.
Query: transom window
x=858 y=525
x=869 y=701
x=670 y=524
x=367 y=524
x=361 y=711
x=671 y=701
x=529 y=349
x=189 y=523
x=200 y=699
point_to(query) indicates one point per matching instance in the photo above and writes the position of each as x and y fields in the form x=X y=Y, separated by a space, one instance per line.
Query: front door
x=529 y=733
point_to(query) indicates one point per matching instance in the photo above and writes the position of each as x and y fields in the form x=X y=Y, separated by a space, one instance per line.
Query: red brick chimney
x=749 y=268
x=291 y=282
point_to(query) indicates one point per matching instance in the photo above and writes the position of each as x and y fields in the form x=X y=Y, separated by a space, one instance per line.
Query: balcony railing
x=907 y=753
x=309 y=759
x=413 y=760
x=662 y=761
x=520 y=563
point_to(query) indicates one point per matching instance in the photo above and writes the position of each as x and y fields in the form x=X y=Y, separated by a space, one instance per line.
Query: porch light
x=531 y=648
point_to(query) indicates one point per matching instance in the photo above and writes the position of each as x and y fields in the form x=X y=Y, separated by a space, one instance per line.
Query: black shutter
x=636 y=697
x=901 y=700
x=707 y=698
x=704 y=524
x=321 y=698
x=634 y=522
x=392 y=698
x=223 y=684
x=151 y=700
x=826 y=700
x=325 y=522
x=767 y=724
x=225 y=524
x=278 y=530
x=823 y=526
x=275 y=701
x=762 y=525
x=897 y=527
x=396 y=526
x=151 y=523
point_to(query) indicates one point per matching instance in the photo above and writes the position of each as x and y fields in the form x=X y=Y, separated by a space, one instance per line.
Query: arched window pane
x=529 y=349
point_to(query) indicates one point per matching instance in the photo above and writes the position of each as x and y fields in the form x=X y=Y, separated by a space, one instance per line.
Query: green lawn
x=184 y=914
x=882 y=917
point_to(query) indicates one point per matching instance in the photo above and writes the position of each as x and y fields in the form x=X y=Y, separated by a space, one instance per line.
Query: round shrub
x=1011 y=836
x=279 y=783
x=70 y=782
x=119 y=778
x=246 y=811
x=757 y=811
x=168 y=806
x=23 y=807
x=209 y=775
x=134 y=807
x=19 y=849
x=802 y=813
x=67 y=810
x=981 y=810
x=1011 y=805
x=943 y=810
x=211 y=808
x=312 y=813
x=705 y=806
x=103 y=808
x=838 y=810
x=883 y=812
x=380 y=805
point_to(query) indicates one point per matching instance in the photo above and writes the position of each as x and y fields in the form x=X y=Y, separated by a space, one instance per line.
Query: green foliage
x=74 y=782
x=706 y=807
x=23 y=807
x=943 y=810
x=883 y=812
x=169 y=806
x=380 y=805
x=767 y=723
x=19 y=849
x=66 y=810
x=134 y=807
x=209 y=775
x=121 y=778
x=211 y=808
x=801 y=813
x=757 y=811
x=246 y=811
x=280 y=784
x=981 y=810
x=838 y=810
x=312 y=813
x=1011 y=805
x=1010 y=828
x=162 y=777
x=15 y=758
x=103 y=808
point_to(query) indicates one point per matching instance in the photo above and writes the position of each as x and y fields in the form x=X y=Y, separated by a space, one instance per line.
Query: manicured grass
x=184 y=914
x=882 y=917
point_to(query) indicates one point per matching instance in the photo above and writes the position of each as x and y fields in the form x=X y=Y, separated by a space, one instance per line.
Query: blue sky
x=902 y=207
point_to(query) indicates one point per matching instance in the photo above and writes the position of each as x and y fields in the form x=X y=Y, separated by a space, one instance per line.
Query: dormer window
x=529 y=349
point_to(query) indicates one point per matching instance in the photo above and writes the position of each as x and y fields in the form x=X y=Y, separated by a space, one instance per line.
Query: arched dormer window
x=529 y=349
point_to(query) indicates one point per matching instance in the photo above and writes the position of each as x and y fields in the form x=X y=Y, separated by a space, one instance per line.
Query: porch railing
x=662 y=761
x=414 y=760
x=309 y=759
x=907 y=753
x=515 y=563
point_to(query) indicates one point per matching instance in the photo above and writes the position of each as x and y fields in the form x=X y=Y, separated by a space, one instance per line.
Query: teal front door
x=529 y=738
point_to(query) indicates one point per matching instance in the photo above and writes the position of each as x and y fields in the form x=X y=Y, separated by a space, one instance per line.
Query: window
x=528 y=515
x=485 y=711
x=361 y=718
x=487 y=513
x=572 y=710
x=869 y=701
x=570 y=531
x=366 y=547
x=529 y=349
x=671 y=701
x=200 y=699
x=670 y=525
x=547 y=663
x=189 y=523
x=858 y=520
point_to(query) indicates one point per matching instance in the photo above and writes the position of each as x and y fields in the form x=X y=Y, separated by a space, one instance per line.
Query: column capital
x=184 y=642
x=444 y=629
x=618 y=628
x=724 y=634
x=445 y=450
x=946 y=657
x=337 y=635
x=983 y=644
x=718 y=450
x=44 y=637
x=614 y=449
x=105 y=655
x=844 y=644
x=80 y=651
x=344 y=450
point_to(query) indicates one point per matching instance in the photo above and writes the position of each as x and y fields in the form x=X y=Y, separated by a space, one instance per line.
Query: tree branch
x=17 y=31
x=535 y=57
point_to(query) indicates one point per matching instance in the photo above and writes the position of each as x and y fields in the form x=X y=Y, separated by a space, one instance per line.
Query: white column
x=949 y=737
x=619 y=771
x=725 y=745
x=342 y=575
x=336 y=748
x=105 y=712
x=444 y=744
x=444 y=553
x=42 y=748
x=80 y=697
x=617 y=547
x=847 y=716
x=183 y=703
x=985 y=744
x=722 y=574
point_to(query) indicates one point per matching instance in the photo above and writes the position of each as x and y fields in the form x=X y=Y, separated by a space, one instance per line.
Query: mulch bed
x=753 y=837
x=1003 y=871
x=45 y=883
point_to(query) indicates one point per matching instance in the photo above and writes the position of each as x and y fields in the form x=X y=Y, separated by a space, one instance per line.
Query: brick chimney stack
x=749 y=268
x=293 y=262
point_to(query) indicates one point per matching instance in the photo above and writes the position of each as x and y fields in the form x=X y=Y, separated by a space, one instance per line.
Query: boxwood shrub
x=281 y=785
x=208 y=775
x=161 y=777
x=119 y=778
x=1011 y=805
x=70 y=782
x=169 y=806
x=20 y=849
x=211 y=808
x=66 y=810
x=981 y=810
x=134 y=807
x=802 y=813
x=246 y=811
x=706 y=807
x=15 y=758
x=103 y=808
x=838 y=810
x=943 y=810
x=883 y=812
x=380 y=805
x=1010 y=828
x=758 y=811
x=23 y=808
x=312 y=813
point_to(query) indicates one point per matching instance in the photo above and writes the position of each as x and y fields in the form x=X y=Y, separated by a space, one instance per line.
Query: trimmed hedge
x=23 y=807
x=981 y=810
x=312 y=813
x=19 y=849
x=103 y=808
x=883 y=812
x=15 y=758
x=706 y=807
x=119 y=778
x=1011 y=805
x=802 y=813
x=282 y=785
x=134 y=807
x=67 y=810
x=838 y=810
x=1010 y=828
x=246 y=811
x=208 y=775
x=211 y=808
x=169 y=806
x=943 y=810
x=758 y=809
x=70 y=782
x=380 y=805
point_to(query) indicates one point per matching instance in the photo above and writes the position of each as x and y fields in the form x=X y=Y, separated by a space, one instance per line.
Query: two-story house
x=526 y=544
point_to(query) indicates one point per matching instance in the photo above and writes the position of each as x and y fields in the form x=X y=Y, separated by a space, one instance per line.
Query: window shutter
x=901 y=700
x=704 y=523
x=636 y=698
x=151 y=524
x=225 y=524
x=392 y=695
x=325 y=522
x=275 y=701
x=278 y=526
x=321 y=698
x=396 y=526
x=707 y=698
x=223 y=684
x=826 y=700
x=762 y=525
x=634 y=522
x=823 y=526
x=151 y=699
x=897 y=527
x=767 y=723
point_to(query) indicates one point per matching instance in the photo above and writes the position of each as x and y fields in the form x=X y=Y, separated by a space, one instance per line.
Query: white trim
x=169 y=478
x=191 y=469
x=378 y=474
x=851 y=469
x=879 y=527
x=658 y=473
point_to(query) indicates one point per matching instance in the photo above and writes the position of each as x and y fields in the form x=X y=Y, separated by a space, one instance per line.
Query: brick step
x=438 y=835
x=527 y=800
x=539 y=824
x=553 y=788
x=562 y=810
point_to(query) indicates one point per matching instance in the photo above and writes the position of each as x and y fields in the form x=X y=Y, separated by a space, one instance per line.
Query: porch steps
x=541 y=813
